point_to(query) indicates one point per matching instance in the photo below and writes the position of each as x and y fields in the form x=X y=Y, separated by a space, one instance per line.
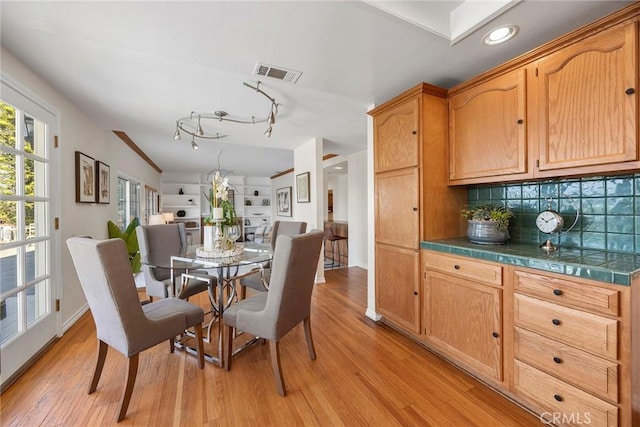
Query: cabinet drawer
x=570 y=405
x=586 y=331
x=464 y=267
x=591 y=373
x=575 y=295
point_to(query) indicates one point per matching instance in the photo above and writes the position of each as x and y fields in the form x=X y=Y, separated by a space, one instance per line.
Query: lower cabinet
x=561 y=346
x=397 y=289
x=464 y=319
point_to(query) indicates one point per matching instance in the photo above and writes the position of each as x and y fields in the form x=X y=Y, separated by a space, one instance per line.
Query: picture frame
x=283 y=201
x=303 y=187
x=103 y=182
x=85 y=178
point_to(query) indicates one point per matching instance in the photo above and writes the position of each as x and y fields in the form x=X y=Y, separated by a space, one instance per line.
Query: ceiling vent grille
x=278 y=73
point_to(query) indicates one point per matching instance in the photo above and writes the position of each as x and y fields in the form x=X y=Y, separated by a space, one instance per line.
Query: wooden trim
x=150 y=188
x=631 y=12
x=419 y=89
x=125 y=138
x=279 y=174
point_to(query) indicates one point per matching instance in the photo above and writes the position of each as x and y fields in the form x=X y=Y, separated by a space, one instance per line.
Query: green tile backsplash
x=609 y=207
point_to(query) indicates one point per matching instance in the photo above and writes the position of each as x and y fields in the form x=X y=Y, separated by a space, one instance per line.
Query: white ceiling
x=139 y=66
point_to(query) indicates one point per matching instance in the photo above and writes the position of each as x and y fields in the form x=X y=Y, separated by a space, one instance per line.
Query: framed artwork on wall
x=103 y=180
x=302 y=187
x=85 y=178
x=283 y=201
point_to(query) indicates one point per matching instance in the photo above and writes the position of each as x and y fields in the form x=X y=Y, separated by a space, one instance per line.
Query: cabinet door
x=397 y=286
x=587 y=104
x=396 y=136
x=463 y=318
x=488 y=130
x=397 y=201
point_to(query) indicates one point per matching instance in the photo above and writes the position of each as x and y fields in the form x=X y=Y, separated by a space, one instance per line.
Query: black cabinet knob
x=557 y=360
x=414 y=132
x=520 y=121
x=555 y=322
x=557 y=292
x=415 y=292
x=457 y=267
x=558 y=397
x=630 y=91
x=495 y=334
x=415 y=209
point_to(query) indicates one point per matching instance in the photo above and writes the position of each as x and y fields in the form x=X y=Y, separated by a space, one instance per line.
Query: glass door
x=28 y=287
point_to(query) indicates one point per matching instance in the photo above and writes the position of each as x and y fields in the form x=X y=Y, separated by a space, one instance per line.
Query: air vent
x=278 y=73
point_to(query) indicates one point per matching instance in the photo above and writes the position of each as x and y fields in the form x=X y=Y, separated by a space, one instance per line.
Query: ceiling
x=137 y=67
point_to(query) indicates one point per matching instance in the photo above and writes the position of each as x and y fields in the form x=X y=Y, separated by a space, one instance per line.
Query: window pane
x=37 y=301
x=7 y=174
x=35 y=261
x=9 y=325
x=34 y=182
x=7 y=125
x=34 y=136
x=9 y=269
x=122 y=202
x=8 y=230
x=35 y=219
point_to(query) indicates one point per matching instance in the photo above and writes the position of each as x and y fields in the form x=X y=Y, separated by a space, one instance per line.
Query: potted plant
x=488 y=224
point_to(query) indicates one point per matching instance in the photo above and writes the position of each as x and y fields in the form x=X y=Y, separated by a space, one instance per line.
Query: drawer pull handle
x=555 y=322
x=557 y=292
x=557 y=360
x=457 y=267
x=558 y=397
x=495 y=334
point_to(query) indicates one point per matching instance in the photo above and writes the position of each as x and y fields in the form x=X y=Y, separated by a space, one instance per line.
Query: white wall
x=359 y=227
x=79 y=133
x=340 y=186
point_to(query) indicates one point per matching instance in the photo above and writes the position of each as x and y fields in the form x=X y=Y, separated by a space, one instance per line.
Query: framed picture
x=85 y=178
x=283 y=201
x=103 y=179
x=302 y=187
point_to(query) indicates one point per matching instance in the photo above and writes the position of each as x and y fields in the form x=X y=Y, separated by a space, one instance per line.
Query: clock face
x=549 y=221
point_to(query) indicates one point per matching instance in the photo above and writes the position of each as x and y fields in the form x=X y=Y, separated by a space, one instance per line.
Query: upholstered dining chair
x=157 y=244
x=260 y=280
x=121 y=321
x=271 y=315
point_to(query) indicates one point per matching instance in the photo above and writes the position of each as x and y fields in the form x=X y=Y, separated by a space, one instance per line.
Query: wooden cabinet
x=566 y=109
x=412 y=199
x=463 y=319
x=587 y=105
x=488 y=126
x=570 y=342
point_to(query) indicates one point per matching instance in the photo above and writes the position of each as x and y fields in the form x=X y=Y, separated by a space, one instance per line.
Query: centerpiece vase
x=208 y=233
x=217 y=213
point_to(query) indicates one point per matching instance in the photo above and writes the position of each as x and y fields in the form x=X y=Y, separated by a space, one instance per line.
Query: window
x=128 y=201
x=150 y=202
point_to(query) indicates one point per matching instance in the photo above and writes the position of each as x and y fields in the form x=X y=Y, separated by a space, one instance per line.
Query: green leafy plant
x=130 y=239
x=489 y=212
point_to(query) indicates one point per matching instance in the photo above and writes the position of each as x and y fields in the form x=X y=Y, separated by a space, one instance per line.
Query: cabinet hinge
x=57 y=305
x=55 y=141
x=56 y=223
x=538 y=163
x=536 y=71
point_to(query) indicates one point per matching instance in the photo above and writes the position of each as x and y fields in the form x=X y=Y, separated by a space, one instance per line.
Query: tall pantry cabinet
x=412 y=200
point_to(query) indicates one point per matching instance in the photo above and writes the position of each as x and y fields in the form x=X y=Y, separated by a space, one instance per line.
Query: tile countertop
x=610 y=267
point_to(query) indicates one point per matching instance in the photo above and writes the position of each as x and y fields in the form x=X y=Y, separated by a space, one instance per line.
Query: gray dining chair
x=259 y=281
x=121 y=321
x=271 y=315
x=157 y=244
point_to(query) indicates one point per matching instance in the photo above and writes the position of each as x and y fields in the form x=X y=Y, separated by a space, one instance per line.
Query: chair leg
x=172 y=345
x=199 y=345
x=275 y=366
x=128 y=389
x=309 y=337
x=228 y=348
x=102 y=355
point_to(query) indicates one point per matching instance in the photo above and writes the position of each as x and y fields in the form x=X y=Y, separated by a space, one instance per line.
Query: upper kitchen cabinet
x=587 y=105
x=396 y=137
x=487 y=125
x=567 y=108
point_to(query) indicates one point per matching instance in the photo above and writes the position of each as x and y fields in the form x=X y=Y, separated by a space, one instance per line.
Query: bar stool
x=335 y=241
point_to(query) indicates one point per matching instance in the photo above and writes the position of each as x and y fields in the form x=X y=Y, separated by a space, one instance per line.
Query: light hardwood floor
x=365 y=374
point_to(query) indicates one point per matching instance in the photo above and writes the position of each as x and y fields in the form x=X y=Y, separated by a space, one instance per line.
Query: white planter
x=208 y=232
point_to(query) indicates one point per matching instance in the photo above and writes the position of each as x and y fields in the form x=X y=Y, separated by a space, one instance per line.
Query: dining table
x=220 y=271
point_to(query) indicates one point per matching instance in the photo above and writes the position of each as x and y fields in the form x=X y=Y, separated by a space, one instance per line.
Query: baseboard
x=372 y=315
x=73 y=319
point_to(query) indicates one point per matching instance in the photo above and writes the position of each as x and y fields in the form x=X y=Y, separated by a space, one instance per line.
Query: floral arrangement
x=218 y=197
x=489 y=212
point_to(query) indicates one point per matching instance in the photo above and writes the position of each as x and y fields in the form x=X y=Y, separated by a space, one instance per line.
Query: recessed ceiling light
x=500 y=35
